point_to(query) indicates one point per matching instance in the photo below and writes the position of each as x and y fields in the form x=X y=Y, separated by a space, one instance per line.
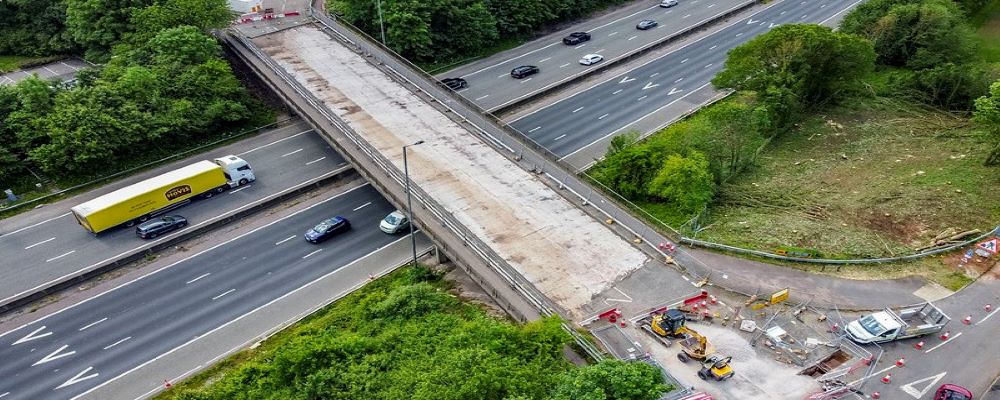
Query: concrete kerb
x=79 y=277
x=704 y=24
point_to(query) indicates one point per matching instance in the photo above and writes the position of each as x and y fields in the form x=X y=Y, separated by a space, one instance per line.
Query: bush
x=684 y=182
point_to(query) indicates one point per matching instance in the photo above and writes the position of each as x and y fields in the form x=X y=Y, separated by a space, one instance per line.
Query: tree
x=685 y=182
x=793 y=67
x=735 y=135
x=204 y=15
x=97 y=25
x=987 y=115
x=33 y=28
x=612 y=380
x=622 y=142
x=629 y=171
x=950 y=86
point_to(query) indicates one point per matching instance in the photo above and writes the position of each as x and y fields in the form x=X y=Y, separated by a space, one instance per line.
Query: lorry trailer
x=154 y=196
x=888 y=325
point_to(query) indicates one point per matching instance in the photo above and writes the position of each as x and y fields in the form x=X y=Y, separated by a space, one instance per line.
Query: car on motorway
x=455 y=83
x=591 y=59
x=952 y=392
x=646 y=24
x=158 y=226
x=328 y=229
x=576 y=38
x=524 y=71
x=393 y=223
x=668 y=3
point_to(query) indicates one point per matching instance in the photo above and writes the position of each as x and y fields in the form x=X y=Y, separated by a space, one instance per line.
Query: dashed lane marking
x=284 y=240
x=952 y=339
x=617 y=91
x=316 y=160
x=643 y=97
x=578 y=109
x=226 y=292
x=116 y=343
x=564 y=65
x=560 y=136
x=545 y=59
x=362 y=206
x=200 y=276
x=61 y=255
x=92 y=324
x=288 y=154
x=42 y=242
x=633 y=37
x=684 y=61
x=602 y=117
x=310 y=254
x=535 y=129
x=482 y=97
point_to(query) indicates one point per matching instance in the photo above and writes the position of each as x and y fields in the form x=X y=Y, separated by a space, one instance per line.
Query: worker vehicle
x=952 y=392
x=888 y=325
x=672 y=324
x=139 y=202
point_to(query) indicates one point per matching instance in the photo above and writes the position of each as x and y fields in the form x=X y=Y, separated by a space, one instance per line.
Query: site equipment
x=888 y=325
x=154 y=196
x=694 y=346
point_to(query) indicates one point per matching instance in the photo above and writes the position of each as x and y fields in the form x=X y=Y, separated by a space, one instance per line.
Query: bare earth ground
x=566 y=254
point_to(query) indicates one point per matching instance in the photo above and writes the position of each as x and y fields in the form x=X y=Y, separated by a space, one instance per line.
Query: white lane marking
x=284 y=240
x=61 y=255
x=31 y=336
x=4 y=394
x=678 y=80
x=617 y=91
x=988 y=316
x=501 y=76
x=685 y=278
x=116 y=343
x=952 y=339
x=650 y=85
x=783 y=13
x=771 y=25
x=527 y=80
x=310 y=254
x=686 y=16
x=674 y=91
x=750 y=21
x=643 y=97
x=822 y=6
x=560 y=136
x=599 y=51
x=684 y=61
x=55 y=355
x=711 y=5
x=912 y=391
x=276 y=141
x=535 y=129
x=840 y=12
x=42 y=242
x=804 y=16
x=603 y=116
x=34 y=225
x=237 y=319
x=288 y=154
x=654 y=74
x=223 y=294
x=739 y=34
x=668 y=12
x=578 y=109
x=92 y=324
x=78 y=378
x=316 y=160
x=200 y=276
x=545 y=59
x=237 y=190
x=564 y=65
x=630 y=123
x=612 y=33
x=626 y=80
x=709 y=65
x=633 y=37
x=483 y=97
x=362 y=206
x=713 y=47
x=577 y=47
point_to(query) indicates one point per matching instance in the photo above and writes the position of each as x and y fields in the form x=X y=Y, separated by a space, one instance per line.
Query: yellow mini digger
x=694 y=346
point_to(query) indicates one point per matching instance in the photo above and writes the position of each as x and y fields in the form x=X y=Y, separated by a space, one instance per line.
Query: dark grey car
x=523 y=71
x=646 y=24
x=160 y=225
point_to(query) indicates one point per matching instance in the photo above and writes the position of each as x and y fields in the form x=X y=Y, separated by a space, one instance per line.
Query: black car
x=523 y=71
x=328 y=229
x=646 y=24
x=576 y=38
x=158 y=226
x=455 y=83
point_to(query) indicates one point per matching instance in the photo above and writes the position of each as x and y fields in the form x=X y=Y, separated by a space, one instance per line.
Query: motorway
x=612 y=36
x=37 y=252
x=80 y=347
x=610 y=107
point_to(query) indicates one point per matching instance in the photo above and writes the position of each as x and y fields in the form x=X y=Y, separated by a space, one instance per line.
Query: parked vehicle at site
x=160 y=225
x=394 y=223
x=591 y=59
x=576 y=38
x=141 y=201
x=524 y=71
x=888 y=325
x=952 y=392
x=646 y=24
x=327 y=229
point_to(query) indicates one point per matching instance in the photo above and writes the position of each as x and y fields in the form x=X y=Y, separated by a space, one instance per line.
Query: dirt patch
x=902 y=229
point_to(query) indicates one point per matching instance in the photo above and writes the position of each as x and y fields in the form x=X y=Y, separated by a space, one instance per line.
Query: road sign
x=988 y=245
x=779 y=296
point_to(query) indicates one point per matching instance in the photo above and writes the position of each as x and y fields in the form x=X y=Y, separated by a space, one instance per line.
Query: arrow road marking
x=750 y=21
x=54 y=356
x=31 y=336
x=78 y=378
x=650 y=85
x=674 y=91
x=910 y=390
x=626 y=80
x=772 y=25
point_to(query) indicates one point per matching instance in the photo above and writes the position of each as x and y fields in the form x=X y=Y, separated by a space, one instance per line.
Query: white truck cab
x=237 y=170
x=875 y=327
x=888 y=325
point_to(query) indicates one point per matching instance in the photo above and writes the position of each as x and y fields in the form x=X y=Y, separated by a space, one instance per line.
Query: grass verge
x=14 y=63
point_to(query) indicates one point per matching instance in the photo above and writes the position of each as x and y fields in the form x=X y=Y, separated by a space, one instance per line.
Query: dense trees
x=987 y=114
x=33 y=27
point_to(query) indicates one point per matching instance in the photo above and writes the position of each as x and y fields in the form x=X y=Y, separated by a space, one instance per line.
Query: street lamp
x=409 y=203
x=381 y=24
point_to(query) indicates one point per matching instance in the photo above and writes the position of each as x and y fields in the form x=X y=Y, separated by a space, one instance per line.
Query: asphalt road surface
x=80 y=347
x=492 y=87
x=38 y=252
x=572 y=123
x=62 y=70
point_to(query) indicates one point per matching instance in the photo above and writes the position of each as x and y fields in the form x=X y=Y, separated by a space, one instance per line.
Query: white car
x=591 y=59
x=394 y=222
x=668 y=3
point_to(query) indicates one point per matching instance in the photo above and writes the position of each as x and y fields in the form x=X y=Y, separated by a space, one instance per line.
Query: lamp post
x=409 y=202
x=381 y=24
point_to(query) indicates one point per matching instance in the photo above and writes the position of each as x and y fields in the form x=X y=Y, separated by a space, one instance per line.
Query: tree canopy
x=987 y=115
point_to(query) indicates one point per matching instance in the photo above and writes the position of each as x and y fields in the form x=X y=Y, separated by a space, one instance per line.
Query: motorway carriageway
x=608 y=108
x=80 y=347
x=40 y=253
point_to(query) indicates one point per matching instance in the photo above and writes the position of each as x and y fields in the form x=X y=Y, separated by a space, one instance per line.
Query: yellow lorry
x=143 y=200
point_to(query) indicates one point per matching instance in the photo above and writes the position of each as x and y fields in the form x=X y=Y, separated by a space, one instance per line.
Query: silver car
x=394 y=223
x=591 y=59
x=668 y=3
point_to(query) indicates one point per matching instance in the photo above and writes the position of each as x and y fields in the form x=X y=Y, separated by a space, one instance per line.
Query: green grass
x=13 y=63
x=988 y=22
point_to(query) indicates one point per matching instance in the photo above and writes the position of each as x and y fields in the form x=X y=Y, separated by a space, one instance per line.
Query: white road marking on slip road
x=61 y=256
x=362 y=206
x=307 y=255
x=284 y=240
x=223 y=294
x=952 y=339
x=276 y=141
x=55 y=355
x=633 y=37
x=564 y=65
x=617 y=91
x=483 y=97
x=31 y=336
x=288 y=154
x=560 y=136
x=535 y=129
x=316 y=160
x=78 y=378
x=545 y=59
x=92 y=324
x=603 y=116
x=988 y=316
x=578 y=109
x=116 y=343
x=42 y=242
x=199 y=277
x=237 y=190
x=32 y=226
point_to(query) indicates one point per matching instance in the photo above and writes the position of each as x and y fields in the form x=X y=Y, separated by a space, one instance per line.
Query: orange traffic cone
x=944 y=336
x=887 y=378
x=901 y=362
x=919 y=345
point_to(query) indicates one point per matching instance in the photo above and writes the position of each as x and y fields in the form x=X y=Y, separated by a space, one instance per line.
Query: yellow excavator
x=694 y=346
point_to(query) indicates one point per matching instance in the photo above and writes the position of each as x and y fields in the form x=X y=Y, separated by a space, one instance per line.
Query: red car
x=952 y=392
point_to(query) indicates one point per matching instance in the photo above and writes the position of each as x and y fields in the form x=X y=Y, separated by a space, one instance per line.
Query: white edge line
x=511 y=122
x=180 y=261
x=840 y=12
x=406 y=237
x=951 y=339
x=34 y=225
x=988 y=316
